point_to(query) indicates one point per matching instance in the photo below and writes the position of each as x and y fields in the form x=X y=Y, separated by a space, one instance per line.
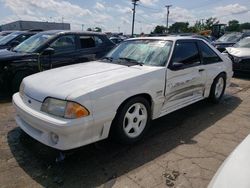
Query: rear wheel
x=132 y=121
x=218 y=88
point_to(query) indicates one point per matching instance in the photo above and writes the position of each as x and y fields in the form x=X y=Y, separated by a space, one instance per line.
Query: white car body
x=102 y=88
x=234 y=172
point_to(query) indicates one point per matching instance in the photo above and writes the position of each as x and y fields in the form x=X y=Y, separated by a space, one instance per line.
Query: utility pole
x=134 y=2
x=202 y=23
x=62 y=23
x=167 y=6
x=82 y=26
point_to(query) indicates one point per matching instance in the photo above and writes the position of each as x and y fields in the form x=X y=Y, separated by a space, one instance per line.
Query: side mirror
x=14 y=43
x=177 y=65
x=48 y=51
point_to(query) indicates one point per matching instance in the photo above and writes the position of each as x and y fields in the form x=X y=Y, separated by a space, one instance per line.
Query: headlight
x=21 y=89
x=65 y=109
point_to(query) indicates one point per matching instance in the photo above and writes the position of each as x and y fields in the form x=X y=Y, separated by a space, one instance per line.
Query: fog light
x=54 y=138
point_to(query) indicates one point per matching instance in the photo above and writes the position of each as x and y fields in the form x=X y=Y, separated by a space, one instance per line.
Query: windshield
x=8 y=38
x=33 y=43
x=244 y=43
x=233 y=37
x=144 y=52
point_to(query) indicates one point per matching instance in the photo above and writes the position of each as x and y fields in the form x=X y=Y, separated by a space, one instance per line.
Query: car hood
x=234 y=171
x=6 y=55
x=81 y=78
x=239 y=52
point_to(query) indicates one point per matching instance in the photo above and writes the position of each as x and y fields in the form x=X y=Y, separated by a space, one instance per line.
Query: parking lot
x=182 y=149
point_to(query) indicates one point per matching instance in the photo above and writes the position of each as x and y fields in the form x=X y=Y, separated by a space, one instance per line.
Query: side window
x=64 y=43
x=98 y=41
x=208 y=55
x=87 y=42
x=22 y=38
x=185 y=54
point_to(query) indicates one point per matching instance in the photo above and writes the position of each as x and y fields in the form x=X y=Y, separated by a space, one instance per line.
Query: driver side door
x=185 y=78
x=64 y=52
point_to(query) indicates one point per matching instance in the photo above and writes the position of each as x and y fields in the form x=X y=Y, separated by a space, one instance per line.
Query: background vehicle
x=228 y=40
x=13 y=39
x=47 y=50
x=116 y=40
x=139 y=80
x=218 y=30
x=4 y=33
x=240 y=55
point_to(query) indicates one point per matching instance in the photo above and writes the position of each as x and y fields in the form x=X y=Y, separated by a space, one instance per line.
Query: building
x=28 y=25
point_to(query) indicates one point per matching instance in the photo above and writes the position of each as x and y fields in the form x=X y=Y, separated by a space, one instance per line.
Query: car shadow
x=5 y=97
x=240 y=75
x=96 y=164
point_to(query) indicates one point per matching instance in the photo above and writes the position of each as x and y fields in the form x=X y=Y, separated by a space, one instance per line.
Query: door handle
x=201 y=70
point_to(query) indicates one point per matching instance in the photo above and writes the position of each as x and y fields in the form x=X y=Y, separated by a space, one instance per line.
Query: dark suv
x=13 y=39
x=47 y=50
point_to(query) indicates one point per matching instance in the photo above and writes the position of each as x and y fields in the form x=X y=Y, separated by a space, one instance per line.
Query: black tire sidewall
x=212 y=96
x=117 y=130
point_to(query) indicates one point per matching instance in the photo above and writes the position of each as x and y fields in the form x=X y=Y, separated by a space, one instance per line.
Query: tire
x=18 y=78
x=218 y=88
x=132 y=121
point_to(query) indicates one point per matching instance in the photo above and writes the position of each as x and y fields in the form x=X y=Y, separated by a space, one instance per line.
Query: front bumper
x=71 y=133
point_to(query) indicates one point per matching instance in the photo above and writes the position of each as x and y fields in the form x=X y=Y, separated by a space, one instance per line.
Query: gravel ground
x=182 y=149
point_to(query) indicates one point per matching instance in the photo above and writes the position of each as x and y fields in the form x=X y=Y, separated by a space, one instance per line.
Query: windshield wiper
x=131 y=61
x=108 y=58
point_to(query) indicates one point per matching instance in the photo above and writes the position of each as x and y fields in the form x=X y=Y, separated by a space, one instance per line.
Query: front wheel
x=218 y=88
x=132 y=121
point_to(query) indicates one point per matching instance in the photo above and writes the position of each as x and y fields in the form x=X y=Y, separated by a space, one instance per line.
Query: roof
x=172 y=38
x=72 y=32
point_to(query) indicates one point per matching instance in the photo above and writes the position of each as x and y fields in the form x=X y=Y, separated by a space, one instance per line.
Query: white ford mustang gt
x=139 y=80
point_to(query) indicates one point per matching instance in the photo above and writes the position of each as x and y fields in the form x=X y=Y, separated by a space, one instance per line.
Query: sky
x=116 y=15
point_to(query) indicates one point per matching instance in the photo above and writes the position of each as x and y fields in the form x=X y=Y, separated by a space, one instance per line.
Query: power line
x=150 y=8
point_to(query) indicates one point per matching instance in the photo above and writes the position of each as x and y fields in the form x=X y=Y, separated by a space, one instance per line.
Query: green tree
x=210 y=22
x=98 y=29
x=159 y=29
x=245 y=26
x=233 y=25
x=179 y=27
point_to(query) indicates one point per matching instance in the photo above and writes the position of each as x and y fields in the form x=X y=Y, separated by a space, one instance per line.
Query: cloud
x=148 y=2
x=21 y=7
x=122 y=9
x=178 y=14
x=55 y=10
x=99 y=6
x=230 y=9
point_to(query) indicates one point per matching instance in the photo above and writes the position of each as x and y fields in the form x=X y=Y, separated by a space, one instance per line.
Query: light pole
x=134 y=2
x=167 y=6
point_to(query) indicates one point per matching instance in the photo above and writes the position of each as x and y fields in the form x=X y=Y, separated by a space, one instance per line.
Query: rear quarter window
x=208 y=55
